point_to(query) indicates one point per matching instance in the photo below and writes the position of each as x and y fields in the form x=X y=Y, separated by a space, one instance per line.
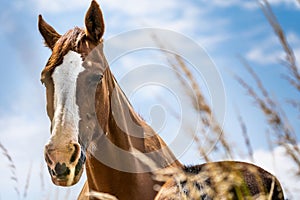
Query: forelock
x=69 y=41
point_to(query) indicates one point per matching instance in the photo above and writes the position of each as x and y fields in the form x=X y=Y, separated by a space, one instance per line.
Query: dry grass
x=290 y=63
x=12 y=168
x=200 y=105
x=42 y=177
x=245 y=136
x=101 y=196
x=281 y=131
x=27 y=182
x=14 y=178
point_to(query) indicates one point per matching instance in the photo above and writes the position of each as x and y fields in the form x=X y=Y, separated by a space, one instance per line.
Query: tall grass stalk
x=290 y=60
x=27 y=182
x=200 y=105
x=101 y=196
x=42 y=177
x=12 y=168
x=284 y=134
x=245 y=136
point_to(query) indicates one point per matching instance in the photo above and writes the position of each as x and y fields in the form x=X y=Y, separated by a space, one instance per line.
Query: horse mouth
x=68 y=174
x=60 y=182
x=70 y=180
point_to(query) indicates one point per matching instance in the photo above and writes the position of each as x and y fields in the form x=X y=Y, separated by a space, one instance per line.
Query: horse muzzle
x=65 y=164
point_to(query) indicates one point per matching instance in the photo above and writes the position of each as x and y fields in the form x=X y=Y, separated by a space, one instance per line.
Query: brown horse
x=93 y=123
x=90 y=117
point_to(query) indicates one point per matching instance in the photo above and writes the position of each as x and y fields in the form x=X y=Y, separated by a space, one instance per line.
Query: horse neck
x=125 y=128
x=116 y=116
x=122 y=129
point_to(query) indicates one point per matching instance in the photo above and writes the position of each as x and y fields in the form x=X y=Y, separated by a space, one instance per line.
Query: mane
x=68 y=41
x=110 y=77
x=192 y=169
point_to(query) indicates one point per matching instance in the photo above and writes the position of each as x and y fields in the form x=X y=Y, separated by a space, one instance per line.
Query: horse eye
x=95 y=78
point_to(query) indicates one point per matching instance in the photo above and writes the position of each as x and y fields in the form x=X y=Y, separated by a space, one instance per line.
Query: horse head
x=71 y=77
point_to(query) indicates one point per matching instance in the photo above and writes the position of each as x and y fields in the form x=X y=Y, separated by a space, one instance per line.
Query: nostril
x=61 y=170
x=75 y=154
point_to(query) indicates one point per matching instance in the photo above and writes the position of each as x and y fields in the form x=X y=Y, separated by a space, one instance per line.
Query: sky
x=223 y=31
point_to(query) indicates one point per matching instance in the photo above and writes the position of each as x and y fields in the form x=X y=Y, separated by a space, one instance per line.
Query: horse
x=86 y=107
x=93 y=124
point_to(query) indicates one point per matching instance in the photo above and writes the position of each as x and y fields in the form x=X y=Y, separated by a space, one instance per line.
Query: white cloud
x=136 y=7
x=260 y=56
x=282 y=166
x=179 y=16
x=297 y=53
x=293 y=38
x=57 y=6
x=252 y=4
x=133 y=7
x=8 y=24
x=270 y=52
x=223 y=3
x=175 y=15
x=294 y=41
x=292 y=3
x=212 y=41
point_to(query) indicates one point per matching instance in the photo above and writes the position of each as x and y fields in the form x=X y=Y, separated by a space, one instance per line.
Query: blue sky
x=225 y=29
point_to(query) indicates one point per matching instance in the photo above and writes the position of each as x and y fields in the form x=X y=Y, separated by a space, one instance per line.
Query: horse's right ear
x=94 y=22
x=48 y=32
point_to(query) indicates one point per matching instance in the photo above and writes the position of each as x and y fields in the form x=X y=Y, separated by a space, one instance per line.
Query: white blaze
x=66 y=113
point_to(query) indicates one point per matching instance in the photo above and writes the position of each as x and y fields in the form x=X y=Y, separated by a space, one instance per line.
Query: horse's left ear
x=94 y=22
x=48 y=32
